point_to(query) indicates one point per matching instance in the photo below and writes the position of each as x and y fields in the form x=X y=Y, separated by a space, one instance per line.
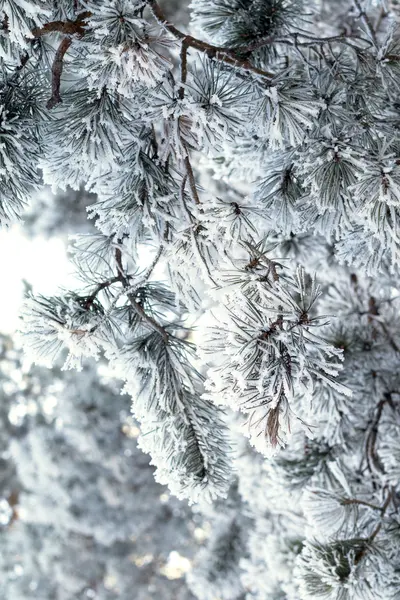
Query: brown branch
x=393 y=58
x=101 y=286
x=117 y=279
x=231 y=56
x=65 y=27
x=13 y=501
x=377 y=529
x=370 y=444
x=348 y=501
x=24 y=59
x=183 y=57
x=258 y=259
x=135 y=305
x=145 y=317
x=68 y=28
x=78 y=27
x=272 y=426
x=273 y=327
x=5 y=23
x=227 y=55
x=192 y=181
x=56 y=72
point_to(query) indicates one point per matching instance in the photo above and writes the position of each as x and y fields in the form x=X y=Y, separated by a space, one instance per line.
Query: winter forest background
x=202 y=399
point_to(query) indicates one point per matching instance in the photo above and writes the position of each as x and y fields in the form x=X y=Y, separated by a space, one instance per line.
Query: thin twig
x=135 y=305
x=183 y=57
x=101 y=286
x=69 y=28
x=377 y=529
x=56 y=72
x=151 y=268
x=348 y=501
x=259 y=258
x=305 y=40
x=366 y=20
x=181 y=95
x=192 y=181
x=370 y=444
x=193 y=233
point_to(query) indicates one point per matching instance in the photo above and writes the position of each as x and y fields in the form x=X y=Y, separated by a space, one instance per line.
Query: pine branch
x=155 y=261
x=181 y=95
x=366 y=20
x=377 y=529
x=68 y=28
x=229 y=56
x=259 y=258
x=102 y=286
x=383 y=511
x=306 y=41
x=135 y=305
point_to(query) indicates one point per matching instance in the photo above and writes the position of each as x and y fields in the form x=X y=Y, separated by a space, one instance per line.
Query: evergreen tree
x=247 y=177
x=80 y=513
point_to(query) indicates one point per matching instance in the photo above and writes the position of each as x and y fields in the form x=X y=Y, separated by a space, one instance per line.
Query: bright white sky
x=41 y=262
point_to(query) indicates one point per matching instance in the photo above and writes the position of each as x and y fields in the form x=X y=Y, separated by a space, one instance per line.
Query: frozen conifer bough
x=246 y=172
